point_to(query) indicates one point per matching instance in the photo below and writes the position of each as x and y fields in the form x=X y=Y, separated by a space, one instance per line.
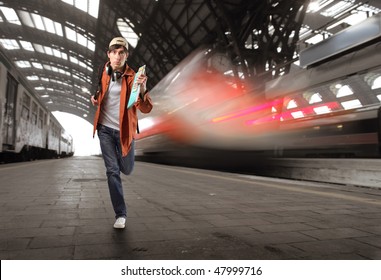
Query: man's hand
x=142 y=81
x=94 y=101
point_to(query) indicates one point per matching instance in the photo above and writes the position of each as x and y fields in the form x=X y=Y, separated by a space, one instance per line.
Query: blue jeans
x=115 y=163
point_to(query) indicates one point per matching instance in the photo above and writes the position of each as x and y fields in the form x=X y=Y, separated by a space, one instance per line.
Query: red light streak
x=247 y=111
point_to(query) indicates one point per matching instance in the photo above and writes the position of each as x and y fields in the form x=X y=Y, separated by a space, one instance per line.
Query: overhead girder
x=272 y=26
x=170 y=31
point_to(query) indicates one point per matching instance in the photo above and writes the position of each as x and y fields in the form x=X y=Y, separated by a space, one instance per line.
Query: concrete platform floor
x=60 y=209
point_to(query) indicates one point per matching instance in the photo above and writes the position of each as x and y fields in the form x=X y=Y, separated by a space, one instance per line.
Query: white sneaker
x=120 y=222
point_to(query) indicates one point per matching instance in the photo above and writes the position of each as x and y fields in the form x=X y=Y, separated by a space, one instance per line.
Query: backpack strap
x=99 y=86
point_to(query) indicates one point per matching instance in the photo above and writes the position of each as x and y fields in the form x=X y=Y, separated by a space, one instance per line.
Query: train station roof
x=58 y=45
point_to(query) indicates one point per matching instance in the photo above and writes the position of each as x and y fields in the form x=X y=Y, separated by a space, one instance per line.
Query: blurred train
x=330 y=107
x=28 y=129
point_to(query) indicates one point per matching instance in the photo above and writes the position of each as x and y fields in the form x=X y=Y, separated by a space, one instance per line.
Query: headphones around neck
x=114 y=74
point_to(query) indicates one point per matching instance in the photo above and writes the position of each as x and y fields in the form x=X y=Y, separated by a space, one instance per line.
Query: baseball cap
x=119 y=41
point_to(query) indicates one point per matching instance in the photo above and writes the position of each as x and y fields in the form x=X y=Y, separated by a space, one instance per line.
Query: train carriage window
x=351 y=104
x=376 y=83
x=292 y=104
x=25 y=106
x=312 y=97
x=341 y=90
x=40 y=119
x=373 y=80
x=34 y=113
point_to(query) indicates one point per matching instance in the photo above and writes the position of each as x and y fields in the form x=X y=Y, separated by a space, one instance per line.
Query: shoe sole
x=119 y=227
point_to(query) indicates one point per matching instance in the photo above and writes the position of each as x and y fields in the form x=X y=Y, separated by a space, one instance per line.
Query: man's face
x=117 y=58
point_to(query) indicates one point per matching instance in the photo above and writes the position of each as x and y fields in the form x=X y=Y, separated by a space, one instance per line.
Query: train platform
x=61 y=210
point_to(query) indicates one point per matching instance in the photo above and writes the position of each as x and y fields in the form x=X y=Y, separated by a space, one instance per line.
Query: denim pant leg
x=127 y=163
x=110 y=146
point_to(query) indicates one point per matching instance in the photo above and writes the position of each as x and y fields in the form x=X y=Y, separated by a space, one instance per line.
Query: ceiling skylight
x=89 y=6
x=125 y=28
x=23 y=64
x=50 y=51
x=9 y=44
x=26 y=45
x=10 y=15
x=338 y=9
x=79 y=38
x=41 y=23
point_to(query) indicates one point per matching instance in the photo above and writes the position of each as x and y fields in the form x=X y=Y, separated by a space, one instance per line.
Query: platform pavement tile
x=298 y=254
x=178 y=218
x=283 y=227
x=290 y=219
x=239 y=222
x=153 y=213
x=157 y=236
x=61 y=253
x=335 y=233
x=375 y=229
x=32 y=232
x=92 y=205
x=21 y=224
x=210 y=217
x=98 y=228
x=60 y=223
x=150 y=220
x=276 y=237
x=103 y=251
x=327 y=221
x=222 y=210
x=263 y=215
x=336 y=212
x=370 y=222
x=114 y=237
x=288 y=213
x=30 y=212
x=51 y=241
x=336 y=256
x=371 y=240
x=4 y=255
x=373 y=254
x=8 y=244
x=178 y=225
x=100 y=215
x=336 y=246
x=369 y=213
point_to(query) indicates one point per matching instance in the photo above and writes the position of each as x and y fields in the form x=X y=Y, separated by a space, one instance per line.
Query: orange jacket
x=128 y=118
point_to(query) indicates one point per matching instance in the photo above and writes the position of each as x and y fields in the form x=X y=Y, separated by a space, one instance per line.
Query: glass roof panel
x=125 y=28
x=33 y=78
x=41 y=23
x=70 y=34
x=89 y=6
x=338 y=8
x=37 y=65
x=9 y=44
x=10 y=15
x=79 y=38
x=23 y=64
x=26 y=45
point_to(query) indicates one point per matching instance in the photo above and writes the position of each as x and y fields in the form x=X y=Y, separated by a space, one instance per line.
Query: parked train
x=329 y=109
x=28 y=129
